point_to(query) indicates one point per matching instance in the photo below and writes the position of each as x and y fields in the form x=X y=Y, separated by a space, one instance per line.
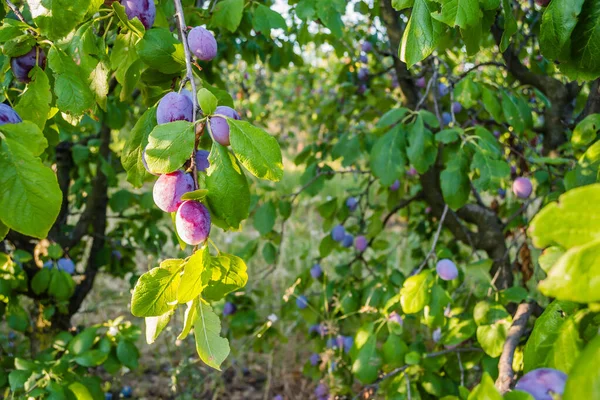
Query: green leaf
x=207 y=101
x=264 y=218
x=228 y=275
x=421 y=35
x=402 y=4
x=467 y=92
x=27 y=134
x=123 y=54
x=3 y=230
x=567 y=347
x=155 y=292
x=392 y=117
x=387 y=156
x=196 y=275
x=491 y=172
x=510 y=25
x=570 y=222
x=485 y=390
x=198 y=195
x=455 y=182
x=30 y=197
x=447 y=136
x=264 y=19
x=155 y=325
x=584 y=378
x=585 y=53
x=17 y=379
x=331 y=15
x=558 y=22
x=414 y=295
x=135 y=25
x=228 y=14
x=71 y=88
x=256 y=150
x=366 y=364
x=40 y=281
x=61 y=285
x=458 y=331
x=170 y=145
x=491 y=103
x=34 y=103
x=223 y=96
x=492 y=337
x=422 y=148
x=394 y=349
x=586 y=131
x=160 y=50
x=128 y=354
x=228 y=191
x=80 y=391
x=91 y=358
x=461 y=13
x=83 y=341
x=131 y=156
x=512 y=113
x=191 y=313
x=211 y=347
x=56 y=18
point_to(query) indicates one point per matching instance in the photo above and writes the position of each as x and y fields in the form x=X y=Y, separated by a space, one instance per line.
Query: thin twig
x=435 y=240
x=16 y=11
x=506 y=375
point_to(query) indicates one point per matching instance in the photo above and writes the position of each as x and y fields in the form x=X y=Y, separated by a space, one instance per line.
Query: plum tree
x=543 y=383
x=219 y=126
x=316 y=271
x=352 y=203
x=229 y=308
x=144 y=10
x=446 y=269
x=361 y=243
x=192 y=222
x=301 y=302
x=338 y=233
x=67 y=265
x=202 y=43
x=8 y=115
x=174 y=107
x=522 y=187
x=22 y=65
x=169 y=188
x=202 y=162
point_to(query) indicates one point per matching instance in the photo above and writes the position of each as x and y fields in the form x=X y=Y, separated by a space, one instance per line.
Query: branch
x=506 y=374
x=16 y=11
x=593 y=102
x=435 y=240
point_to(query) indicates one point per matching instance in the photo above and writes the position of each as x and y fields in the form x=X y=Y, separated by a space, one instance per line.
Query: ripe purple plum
x=543 y=383
x=219 y=126
x=192 y=222
x=144 y=10
x=437 y=335
x=8 y=115
x=395 y=186
x=363 y=59
x=278 y=397
x=522 y=187
x=443 y=89
x=187 y=94
x=352 y=203
x=338 y=233
x=316 y=271
x=301 y=302
x=361 y=243
x=502 y=193
x=169 y=188
x=229 y=308
x=412 y=172
x=67 y=265
x=322 y=392
x=202 y=43
x=456 y=107
x=421 y=82
x=314 y=359
x=363 y=74
x=395 y=318
x=446 y=118
x=202 y=162
x=446 y=269
x=367 y=46
x=496 y=134
x=348 y=240
x=362 y=89
x=174 y=107
x=348 y=342
x=22 y=65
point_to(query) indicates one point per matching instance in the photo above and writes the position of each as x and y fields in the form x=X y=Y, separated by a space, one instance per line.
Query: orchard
x=302 y=199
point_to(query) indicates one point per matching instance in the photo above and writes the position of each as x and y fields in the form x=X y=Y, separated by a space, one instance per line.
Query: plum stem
x=189 y=76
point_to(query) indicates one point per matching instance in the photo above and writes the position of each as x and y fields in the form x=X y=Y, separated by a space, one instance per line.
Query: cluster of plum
x=363 y=72
x=63 y=264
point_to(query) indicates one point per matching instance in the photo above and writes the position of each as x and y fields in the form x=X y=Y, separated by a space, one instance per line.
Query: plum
x=348 y=342
x=522 y=187
x=316 y=271
x=446 y=118
x=363 y=74
x=278 y=397
x=169 y=188
x=446 y=269
x=443 y=89
x=187 y=94
x=395 y=318
x=108 y=396
x=338 y=233
x=367 y=46
x=174 y=107
x=8 y=115
x=49 y=264
x=22 y=65
x=319 y=329
x=202 y=162
x=395 y=186
x=321 y=391
x=360 y=243
x=456 y=107
x=412 y=172
x=348 y=240
x=144 y=10
x=127 y=392
x=502 y=193
x=301 y=302
x=202 y=43
x=229 y=309
x=117 y=254
x=437 y=335
x=363 y=59
x=543 y=383
x=192 y=222
x=361 y=89
x=496 y=134
x=219 y=126
x=314 y=359
x=421 y=82
x=352 y=203
x=67 y=265
x=542 y=3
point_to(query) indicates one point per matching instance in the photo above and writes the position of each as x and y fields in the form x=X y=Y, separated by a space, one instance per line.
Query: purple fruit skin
x=363 y=59
x=502 y=193
x=456 y=107
x=367 y=46
x=443 y=89
x=395 y=317
x=522 y=188
x=363 y=74
x=412 y=172
x=320 y=329
x=352 y=203
x=202 y=43
x=437 y=335
x=144 y=10
x=49 y=264
x=421 y=82
x=202 y=162
x=316 y=271
x=446 y=118
x=542 y=382
x=187 y=94
x=360 y=243
x=302 y=302
x=22 y=65
x=348 y=343
x=314 y=359
x=361 y=89
x=8 y=115
x=338 y=233
x=192 y=222
x=446 y=269
x=278 y=397
x=395 y=186
x=174 y=107
x=169 y=188
x=219 y=126
x=67 y=265
x=496 y=134
x=117 y=254
x=348 y=240
x=229 y=309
